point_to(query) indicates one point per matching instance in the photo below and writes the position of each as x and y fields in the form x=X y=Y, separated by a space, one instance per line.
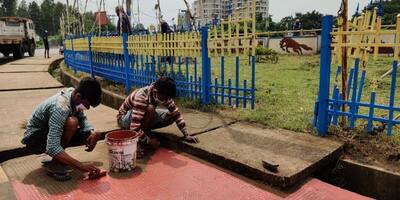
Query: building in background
x=210 y=12
x=207 y=11
x=184 y=22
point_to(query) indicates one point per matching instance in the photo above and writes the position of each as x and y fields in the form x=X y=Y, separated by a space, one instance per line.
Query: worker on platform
x=139 y=113
x=59 y=122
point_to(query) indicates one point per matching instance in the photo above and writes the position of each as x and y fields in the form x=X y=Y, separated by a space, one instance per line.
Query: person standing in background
x=123 y=25
x=46 y=44
x=297 y=27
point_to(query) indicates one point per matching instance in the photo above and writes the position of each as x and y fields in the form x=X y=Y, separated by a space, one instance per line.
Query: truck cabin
x=14 y=26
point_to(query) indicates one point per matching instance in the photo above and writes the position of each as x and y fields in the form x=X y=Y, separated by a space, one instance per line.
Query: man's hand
x=91 y=141
x=89 y=169
x=92 y=170
x=191 y=139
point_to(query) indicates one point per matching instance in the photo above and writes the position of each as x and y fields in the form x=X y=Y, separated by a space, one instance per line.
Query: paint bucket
x=122 y=146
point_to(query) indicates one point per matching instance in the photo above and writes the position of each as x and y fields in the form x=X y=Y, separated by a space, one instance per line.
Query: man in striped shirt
x=139 y=113
x=59 y=122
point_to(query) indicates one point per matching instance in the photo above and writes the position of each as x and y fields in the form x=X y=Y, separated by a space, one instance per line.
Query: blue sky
x=170 y=8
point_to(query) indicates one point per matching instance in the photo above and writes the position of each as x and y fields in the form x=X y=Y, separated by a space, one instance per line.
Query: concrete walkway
x=164 y=174
x=21 y=92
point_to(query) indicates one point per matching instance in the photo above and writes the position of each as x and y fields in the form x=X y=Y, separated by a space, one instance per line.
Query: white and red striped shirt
x=139 y=100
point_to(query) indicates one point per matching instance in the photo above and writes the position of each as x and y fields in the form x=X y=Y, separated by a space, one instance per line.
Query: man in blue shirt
x=59 y=122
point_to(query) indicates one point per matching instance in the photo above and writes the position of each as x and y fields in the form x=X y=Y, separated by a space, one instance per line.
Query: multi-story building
x=211 y=11
x=184 y=22
x=208 y=11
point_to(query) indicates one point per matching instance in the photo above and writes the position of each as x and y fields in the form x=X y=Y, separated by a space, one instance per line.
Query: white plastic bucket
x=122 y=146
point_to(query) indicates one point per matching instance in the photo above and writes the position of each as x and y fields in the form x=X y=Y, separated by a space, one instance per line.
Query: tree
x=35 y=15
x=261 y=23
x=8 y=7
x=310 y=20
x=58 y=9
x=286 y=23
x=152 y=28
x=139 y=27
x=390 y=11
x=22 y=10
x=47 y=16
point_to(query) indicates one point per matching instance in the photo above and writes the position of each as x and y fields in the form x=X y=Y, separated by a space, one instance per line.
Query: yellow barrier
x=111 y=44
x=81 y=44
x=173 y=44
x=228 y=39
x=68 y=44
x=364 y=37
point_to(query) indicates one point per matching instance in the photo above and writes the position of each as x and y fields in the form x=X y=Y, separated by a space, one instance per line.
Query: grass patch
x=286 y=91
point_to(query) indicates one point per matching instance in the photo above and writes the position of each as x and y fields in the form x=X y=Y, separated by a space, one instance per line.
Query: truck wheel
x=31 y=51
x=18 y=52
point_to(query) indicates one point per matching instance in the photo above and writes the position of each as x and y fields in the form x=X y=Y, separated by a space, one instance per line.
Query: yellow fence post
x=396 y=47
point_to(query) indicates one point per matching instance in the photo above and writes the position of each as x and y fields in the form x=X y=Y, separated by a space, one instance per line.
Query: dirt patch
x=373 y=149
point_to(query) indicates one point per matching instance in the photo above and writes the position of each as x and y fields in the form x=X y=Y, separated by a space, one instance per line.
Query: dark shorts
x=161 y=119
x=37 y=142
x=46 y=46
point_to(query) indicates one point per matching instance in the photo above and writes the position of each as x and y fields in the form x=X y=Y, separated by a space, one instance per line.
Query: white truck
x=17 y=36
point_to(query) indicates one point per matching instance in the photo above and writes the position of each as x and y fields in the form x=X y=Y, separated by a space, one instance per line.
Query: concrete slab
x=369 y=180
x=197 y=122
x=16 y=107
x=316 y=189
x=20 y=81
x=166 y=175
x=242 y=147
x=23 y=68
x=103 y=118
x=38 y=60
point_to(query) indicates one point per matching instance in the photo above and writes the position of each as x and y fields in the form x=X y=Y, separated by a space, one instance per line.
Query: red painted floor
x=173 y=176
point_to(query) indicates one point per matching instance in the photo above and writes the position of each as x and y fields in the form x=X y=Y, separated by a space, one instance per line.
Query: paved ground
x=26 y=81
x=21 y=92
x=39 y=55
x=23 y=68
x=16 y=108
x=165 y=174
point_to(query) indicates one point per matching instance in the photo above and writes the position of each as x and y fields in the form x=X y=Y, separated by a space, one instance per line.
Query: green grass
x=286 y=91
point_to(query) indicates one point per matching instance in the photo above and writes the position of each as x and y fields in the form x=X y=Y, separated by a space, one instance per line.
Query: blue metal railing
x=327 y=110
x=193 y=76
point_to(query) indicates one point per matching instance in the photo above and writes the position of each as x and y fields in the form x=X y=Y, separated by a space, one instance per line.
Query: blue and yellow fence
x=206 y=65
x=363 y=41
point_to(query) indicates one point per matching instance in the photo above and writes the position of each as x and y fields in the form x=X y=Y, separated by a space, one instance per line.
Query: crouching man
x=139 y=112
x=59 y=122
